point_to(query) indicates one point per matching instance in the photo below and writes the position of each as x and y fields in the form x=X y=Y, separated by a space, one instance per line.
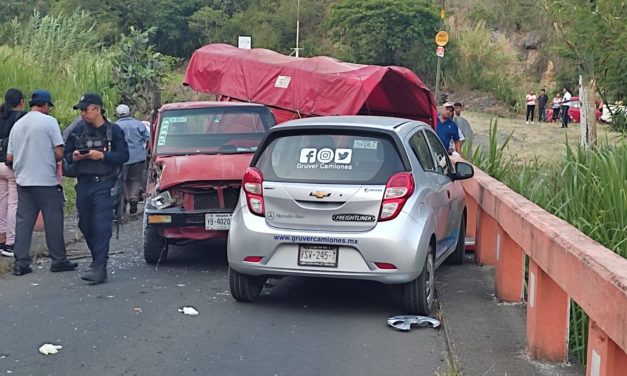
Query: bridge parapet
x=563 y=264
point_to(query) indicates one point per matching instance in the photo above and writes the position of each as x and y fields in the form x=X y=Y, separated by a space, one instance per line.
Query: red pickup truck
x=199 y=152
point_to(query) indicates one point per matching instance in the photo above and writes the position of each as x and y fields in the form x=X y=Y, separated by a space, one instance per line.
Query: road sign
x=439 y=51
x=441 y=38
x=245 y=41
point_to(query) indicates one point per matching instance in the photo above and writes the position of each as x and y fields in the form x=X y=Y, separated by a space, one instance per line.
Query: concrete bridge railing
x=564 y=264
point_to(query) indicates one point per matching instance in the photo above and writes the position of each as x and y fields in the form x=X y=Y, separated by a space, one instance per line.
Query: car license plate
x=217 y=221
x=317 y=255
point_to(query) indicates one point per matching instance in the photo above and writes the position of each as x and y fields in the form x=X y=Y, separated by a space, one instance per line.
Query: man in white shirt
x=35 y=147
x=565 y=106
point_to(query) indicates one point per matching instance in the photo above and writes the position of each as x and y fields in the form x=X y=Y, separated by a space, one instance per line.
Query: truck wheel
x=420 y=293
x=457 y=257
x=155 y=248
x=245 y=288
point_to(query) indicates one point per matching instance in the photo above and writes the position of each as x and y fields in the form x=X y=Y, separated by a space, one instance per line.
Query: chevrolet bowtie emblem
x=319 y=194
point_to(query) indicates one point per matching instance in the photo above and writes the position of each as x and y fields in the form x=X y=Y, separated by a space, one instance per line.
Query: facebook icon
x=308 y=155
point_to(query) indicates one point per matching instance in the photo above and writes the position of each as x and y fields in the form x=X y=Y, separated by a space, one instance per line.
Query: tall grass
x=58 y=54
x=588 y=189
x=494 y=160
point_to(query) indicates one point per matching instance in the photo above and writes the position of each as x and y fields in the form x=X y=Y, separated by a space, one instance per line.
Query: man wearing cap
x=446 y=129
x=95 y=151
x=35 y=147
x=133 y=171
x=462 y=123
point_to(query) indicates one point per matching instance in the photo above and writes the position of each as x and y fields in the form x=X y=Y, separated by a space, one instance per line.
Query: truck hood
x=200 y=167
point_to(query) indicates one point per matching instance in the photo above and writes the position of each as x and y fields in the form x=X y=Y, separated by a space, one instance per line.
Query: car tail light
x=398 y=189
x=253 y=258
x=252 y=186
x=385 y=265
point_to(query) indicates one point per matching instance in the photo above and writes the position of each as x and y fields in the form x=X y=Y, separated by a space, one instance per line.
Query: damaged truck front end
x=199 y=152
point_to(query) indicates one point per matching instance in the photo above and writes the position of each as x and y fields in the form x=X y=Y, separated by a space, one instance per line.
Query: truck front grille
x=207 y=199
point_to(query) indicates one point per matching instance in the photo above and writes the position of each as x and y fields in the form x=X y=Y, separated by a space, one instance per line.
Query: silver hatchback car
x=361 y=197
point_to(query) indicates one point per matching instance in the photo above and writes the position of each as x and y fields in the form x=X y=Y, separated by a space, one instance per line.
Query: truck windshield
x=212 y=130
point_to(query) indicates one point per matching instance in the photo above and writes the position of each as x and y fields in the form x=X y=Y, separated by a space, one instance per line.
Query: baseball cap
x=87 y=99
x=40 y=97
x=448 y=104
x=122 y=110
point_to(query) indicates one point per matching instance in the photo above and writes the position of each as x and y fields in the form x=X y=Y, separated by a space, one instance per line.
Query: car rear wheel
x=457 y=257
x=155 y=247
x=420 y=293
x=245 y=288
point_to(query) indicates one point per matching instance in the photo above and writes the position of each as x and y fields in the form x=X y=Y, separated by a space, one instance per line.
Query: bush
x=138 y=70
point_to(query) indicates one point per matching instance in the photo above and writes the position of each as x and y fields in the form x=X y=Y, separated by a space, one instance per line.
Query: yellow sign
x=441 y=38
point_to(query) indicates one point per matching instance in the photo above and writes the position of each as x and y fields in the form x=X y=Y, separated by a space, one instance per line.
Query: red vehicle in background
x=574 y=111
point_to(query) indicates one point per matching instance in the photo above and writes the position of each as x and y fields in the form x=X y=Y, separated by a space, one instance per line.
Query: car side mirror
x=463 y=171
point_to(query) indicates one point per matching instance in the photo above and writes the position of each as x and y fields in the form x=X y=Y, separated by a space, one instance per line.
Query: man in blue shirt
x=136 y=136
x=446 y=129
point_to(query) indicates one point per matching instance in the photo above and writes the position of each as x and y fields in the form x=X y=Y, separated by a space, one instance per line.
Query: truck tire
x=155 y=249
x=419 y=294
x=245 y=288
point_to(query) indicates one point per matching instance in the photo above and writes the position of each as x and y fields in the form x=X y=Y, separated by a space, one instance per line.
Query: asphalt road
x=131 y=325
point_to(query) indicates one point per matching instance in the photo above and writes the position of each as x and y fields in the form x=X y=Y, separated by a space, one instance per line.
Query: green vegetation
x=386 y=32
x=502 y=48
x=138 y=71
x=54 y=53
x=586 y=189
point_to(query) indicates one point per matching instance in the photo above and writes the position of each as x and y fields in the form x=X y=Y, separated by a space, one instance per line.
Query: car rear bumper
x=399 y=242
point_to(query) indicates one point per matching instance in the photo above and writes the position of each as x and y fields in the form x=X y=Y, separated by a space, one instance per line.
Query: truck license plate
x=217 y=221
x=317 y=255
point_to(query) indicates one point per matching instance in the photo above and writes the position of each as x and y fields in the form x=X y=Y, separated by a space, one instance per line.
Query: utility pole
x=297 y=49
x=440 y=52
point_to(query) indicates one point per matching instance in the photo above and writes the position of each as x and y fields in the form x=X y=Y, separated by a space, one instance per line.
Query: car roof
x=206 y=104
x=399 y=126
x=379 y=122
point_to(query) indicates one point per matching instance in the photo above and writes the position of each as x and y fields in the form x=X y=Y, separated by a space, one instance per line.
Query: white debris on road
x=188 y=311
x=48 y=348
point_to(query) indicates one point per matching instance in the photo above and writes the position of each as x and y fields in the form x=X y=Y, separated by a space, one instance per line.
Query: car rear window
x=330 y=158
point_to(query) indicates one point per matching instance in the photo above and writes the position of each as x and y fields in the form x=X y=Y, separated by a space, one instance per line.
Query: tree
x=138 y=70
x=594 y=35
x=383 y=31
x=207 y=23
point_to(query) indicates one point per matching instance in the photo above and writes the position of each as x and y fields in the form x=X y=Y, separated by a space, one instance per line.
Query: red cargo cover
x=300 y=87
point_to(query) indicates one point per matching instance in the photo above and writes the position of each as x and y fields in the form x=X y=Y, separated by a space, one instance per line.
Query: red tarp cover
x=313 y=86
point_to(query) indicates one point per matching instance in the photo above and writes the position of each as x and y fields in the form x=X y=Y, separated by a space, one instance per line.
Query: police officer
x=95 y=151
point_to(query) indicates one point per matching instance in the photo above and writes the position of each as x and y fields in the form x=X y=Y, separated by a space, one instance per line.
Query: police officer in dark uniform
x=95 y=151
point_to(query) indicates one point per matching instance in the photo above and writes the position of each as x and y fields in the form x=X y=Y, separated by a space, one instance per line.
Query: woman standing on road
x=557 y=103
x=10 y=111
x=530 y=99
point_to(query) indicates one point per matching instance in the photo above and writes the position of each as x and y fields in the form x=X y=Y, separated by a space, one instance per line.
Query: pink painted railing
x=564 y=264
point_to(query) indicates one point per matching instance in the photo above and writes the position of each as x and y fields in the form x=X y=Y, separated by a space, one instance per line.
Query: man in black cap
x=35 y=147
x=95 y=151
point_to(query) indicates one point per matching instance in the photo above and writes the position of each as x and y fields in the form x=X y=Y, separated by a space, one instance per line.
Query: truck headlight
x=162 y=200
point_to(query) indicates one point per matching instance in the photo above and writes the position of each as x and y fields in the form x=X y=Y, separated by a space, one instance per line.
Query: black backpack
x=6 y=125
